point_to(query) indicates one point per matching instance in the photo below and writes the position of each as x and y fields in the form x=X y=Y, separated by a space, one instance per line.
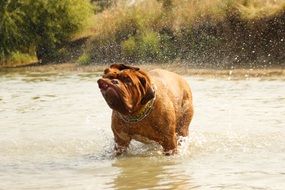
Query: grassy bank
x=207 y=33
x=204 y=33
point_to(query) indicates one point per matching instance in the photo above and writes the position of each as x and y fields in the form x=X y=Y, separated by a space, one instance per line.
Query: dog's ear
x=142 y=81
x=146 y=85
x=148 y=96
x=123 y=66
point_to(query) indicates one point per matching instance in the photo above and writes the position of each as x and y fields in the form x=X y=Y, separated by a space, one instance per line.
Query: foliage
x=152 y=30
x=149 y=46
x=129 y=48
x=43 y=24
x=100 y=5
x=144 y=47
x=18 y=58
x=11 y=27
x=200 y=31
x=84 y=59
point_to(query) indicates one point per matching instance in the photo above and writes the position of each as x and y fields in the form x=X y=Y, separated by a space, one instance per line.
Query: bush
x=145 y=47
x=45 y=25
x=149 y=48
x=124 y=20
x=21 y=58
x=12 y=27
x=129 y=48
x=17 y=58
x=84 y=59
x=54 y=22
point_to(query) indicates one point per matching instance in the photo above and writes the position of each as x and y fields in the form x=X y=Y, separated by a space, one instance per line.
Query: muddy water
x=55 y=134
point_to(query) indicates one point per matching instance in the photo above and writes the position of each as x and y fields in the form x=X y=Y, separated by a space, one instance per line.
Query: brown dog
x=147 y=106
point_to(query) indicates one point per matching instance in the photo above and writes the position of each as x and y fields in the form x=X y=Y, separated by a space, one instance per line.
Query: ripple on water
x=55 y=134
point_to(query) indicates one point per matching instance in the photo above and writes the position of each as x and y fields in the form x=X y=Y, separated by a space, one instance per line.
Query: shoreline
x=182 y=69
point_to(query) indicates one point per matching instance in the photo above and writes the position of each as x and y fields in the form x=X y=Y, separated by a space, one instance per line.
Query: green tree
x=42 y=24
x=11 y=27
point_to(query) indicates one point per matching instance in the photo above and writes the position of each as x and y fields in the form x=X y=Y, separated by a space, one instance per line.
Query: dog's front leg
x=169 y=144
x=169 y=148
x=119 y=149
x=121 y=144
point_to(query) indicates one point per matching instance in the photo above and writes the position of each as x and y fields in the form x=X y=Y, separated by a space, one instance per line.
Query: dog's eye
x=111 y=77
x=126 y=80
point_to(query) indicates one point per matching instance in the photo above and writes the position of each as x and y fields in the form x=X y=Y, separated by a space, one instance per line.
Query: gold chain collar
x=145 y=111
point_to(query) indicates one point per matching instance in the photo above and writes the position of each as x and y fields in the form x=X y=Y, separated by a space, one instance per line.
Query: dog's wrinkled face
x=126 y=89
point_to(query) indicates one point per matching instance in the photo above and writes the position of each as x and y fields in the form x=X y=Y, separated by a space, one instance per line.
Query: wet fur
x=172 y=110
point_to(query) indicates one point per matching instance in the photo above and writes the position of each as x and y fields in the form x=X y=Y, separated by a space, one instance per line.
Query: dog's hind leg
x=184 y=119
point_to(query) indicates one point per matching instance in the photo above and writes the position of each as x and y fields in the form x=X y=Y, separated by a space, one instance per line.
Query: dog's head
x=125 y=88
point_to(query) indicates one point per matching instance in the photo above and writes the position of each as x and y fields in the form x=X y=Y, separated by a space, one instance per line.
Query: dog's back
x=178 y=90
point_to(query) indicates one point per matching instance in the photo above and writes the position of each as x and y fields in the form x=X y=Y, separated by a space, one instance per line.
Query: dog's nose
x=115 y=81
x=102 y=84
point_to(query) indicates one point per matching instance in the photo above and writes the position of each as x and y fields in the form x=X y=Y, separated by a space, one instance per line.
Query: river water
x=55 y=134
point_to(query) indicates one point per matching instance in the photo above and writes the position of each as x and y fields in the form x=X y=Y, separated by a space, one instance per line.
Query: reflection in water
x=150 y=173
